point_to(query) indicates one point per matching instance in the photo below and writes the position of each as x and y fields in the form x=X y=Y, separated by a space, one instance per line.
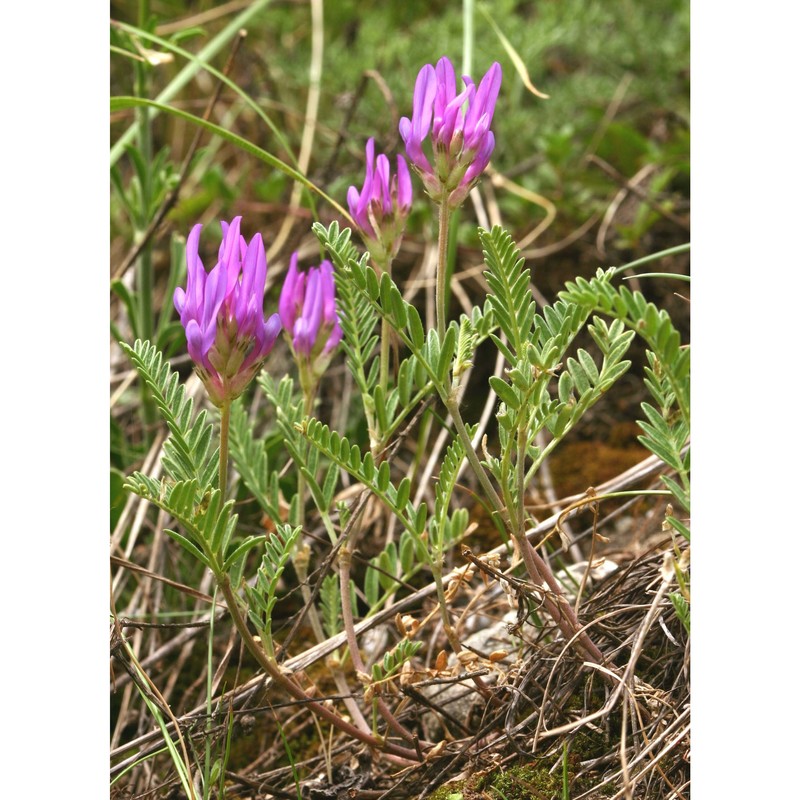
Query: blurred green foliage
x=630 y=57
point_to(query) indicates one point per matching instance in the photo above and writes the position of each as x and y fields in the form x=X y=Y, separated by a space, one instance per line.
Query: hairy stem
x=384 y=265
x=352 y=643
x=441 y=267
x=287 y=683
x=537 y=568
x=300 y=563
x=224 y=431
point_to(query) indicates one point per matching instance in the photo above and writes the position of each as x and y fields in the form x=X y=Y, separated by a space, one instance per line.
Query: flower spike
x=459 y=124
x=381 y=207
x=307 y=309
x=222 y=312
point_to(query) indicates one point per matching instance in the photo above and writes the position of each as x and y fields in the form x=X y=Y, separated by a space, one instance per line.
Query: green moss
x=524 y=782
x=450 y=791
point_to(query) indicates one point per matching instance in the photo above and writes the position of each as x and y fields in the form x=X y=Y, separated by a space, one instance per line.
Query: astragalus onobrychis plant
x=411 y=379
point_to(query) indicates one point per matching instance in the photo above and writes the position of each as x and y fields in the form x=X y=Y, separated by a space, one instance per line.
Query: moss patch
x=523 y=782
x=450 y=791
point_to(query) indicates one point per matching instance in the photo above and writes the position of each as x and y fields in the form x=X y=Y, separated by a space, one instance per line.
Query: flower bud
x=307 y=309
x=381 y=208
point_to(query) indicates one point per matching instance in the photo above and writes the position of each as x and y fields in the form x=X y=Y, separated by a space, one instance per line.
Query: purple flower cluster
x=307 y=309
x=381 y=208
x=222 y=312
x=459 y=125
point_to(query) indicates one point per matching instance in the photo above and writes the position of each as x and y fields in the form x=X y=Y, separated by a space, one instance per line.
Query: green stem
x=385 y=266
x=145 y=144
x=441 y=267
x=309 y=393
x=144 y=268
x=451 y=404
x=224 y=430
x=209 y=694
x=522 y=449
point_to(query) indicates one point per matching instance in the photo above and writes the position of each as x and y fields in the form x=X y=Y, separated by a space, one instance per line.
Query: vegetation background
x=617 y=115
x=740 y=101
x=595 y=173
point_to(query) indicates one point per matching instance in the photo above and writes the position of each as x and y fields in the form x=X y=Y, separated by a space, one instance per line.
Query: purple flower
x=459 y=126
x=307 y=309
x=222 y=312
x=380 y=210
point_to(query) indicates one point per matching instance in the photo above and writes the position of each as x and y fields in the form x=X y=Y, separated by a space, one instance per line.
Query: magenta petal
x=445 y=85
x=380 y=185
x=195 y=274
x=290 y=300
x=302 y=338
x=328 y=292
x=370 y=153
x=404 y=194
x=424 y=94
x=213 y=296
x=452 y=118
x=473 y=136
x=481 y=159
x=194 y=342
x=265 y=335
x=192 y=257
x=405 y=129
x=353 y=197
x=485 y=98
x=414 y=148
x=232 y=258
x=260 y=275
x=250 y=299
x=313 y=306
x=230 y=237
x=179 y=299
x=272 y=329
x=357 y=211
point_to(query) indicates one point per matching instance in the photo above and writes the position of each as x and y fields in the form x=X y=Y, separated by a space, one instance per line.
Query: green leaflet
x=262 y=596
x=511 y=300
x=249 y=456
x=209 y=524
x=393 y=660
x=187 y=451
x=652 y=324
x=363 y=468
x=666 y=428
